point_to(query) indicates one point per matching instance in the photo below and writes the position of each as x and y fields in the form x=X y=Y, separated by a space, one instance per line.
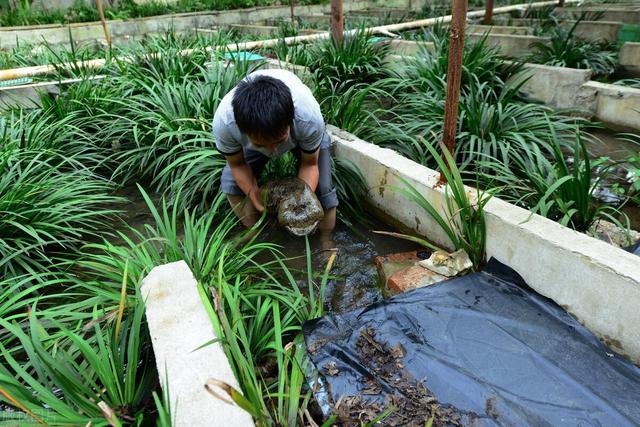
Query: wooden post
x=454 y=75
x=293 y=15
x=560 y=3
x=104 y=22
x=337 y=21
x=488 y=13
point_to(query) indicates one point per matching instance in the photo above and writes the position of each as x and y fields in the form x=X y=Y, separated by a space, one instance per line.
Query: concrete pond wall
x=125 y=30
x=186 y=353
x=590 y=30
x=561 y=88
x=628 y=14
x=594 y=281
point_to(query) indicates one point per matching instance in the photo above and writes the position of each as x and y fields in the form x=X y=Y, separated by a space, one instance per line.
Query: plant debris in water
x=408 y=402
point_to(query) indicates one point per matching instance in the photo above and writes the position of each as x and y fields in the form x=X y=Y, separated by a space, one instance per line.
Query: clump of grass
x=80 y=380
x=427 y=70
x=554 y=187
x=408 y=108
x=635 y=83
x=565 y=49
x=355 y=60
x=51 y=197
x=463 y=220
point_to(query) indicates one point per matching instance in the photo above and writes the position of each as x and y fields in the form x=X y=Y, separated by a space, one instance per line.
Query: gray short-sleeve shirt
x=306 y=132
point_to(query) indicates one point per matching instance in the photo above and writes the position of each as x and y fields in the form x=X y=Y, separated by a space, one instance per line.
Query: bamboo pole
x=454 y=75
x=104 y=22
x=488 y=13
x=40 y=70
x=337 y=22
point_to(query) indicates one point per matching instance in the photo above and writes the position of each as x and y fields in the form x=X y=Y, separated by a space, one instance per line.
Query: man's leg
x=327 y=195
x=240 y=203
x=243 y=209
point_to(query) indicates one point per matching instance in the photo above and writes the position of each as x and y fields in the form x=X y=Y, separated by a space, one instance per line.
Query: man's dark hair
x=262 y=106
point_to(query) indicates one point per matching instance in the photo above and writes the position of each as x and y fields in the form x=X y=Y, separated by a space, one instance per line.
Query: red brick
x=389 y=264
x=412 y=277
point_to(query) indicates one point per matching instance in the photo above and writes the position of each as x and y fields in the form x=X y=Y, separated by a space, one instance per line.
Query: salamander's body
x=297 y=207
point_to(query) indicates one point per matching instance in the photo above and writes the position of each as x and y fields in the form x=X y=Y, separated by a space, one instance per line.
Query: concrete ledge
x=181 y=23
x=510 y=45
x=408 y=47
x=28 y=96
x=596 y=282
x=500 y=29
x=179 y=324
x=629 y=58
x=558 y=87
x=617 y=105
x=611 y=12
x=589 y=30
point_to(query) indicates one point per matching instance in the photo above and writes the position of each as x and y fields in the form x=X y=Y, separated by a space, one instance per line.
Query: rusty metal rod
x=454 y=75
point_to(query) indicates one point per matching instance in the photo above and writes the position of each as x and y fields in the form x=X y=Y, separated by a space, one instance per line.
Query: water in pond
x=356 y=278
x=619 y=149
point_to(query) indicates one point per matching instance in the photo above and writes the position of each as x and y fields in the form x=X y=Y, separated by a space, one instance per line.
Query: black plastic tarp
x=487 y=345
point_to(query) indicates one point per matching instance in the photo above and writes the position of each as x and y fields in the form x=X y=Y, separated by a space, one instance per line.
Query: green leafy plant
x=553 y=187
x=260 y=322
x=463 y=219
x=565 y=49
x=76 y=381
x=355 y=60
x=47 y=210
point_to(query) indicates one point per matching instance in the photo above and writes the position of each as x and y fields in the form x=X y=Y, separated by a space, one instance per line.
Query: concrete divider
x=589 y=30
x=597 y=283
x=629 y=58
x=182 y=334
x=122 y=30
x=408 y=47
x=509 y=44
x=617 y=106
x=629 y=14
x=558 y=87
x=499 y=29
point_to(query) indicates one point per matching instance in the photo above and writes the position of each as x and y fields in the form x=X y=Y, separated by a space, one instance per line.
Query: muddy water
x=356 y=279
x=610 y=144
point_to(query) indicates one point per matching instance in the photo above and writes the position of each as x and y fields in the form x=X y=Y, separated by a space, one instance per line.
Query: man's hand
x=255 y=195
x=243 y=175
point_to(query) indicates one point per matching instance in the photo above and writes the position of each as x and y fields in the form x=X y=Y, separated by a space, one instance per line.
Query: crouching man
x=269 y=113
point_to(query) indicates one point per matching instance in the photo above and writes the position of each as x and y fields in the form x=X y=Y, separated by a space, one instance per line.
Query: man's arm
x=309 y=171
x=243 y=175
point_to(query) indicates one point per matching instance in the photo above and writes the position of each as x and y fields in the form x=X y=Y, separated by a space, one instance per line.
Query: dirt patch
x=408 y=401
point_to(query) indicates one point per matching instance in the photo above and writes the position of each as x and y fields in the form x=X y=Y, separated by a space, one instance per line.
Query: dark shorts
x=325 y=191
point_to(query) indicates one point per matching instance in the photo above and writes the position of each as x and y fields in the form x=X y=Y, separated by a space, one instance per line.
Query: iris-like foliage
x=463 y=218
x=355 y=60
x=565 y=49
x=552 y=186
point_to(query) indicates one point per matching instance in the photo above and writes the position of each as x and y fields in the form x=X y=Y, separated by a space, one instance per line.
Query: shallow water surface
x=356 y=278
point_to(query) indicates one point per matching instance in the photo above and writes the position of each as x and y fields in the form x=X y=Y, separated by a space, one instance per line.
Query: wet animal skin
x=298 y=209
